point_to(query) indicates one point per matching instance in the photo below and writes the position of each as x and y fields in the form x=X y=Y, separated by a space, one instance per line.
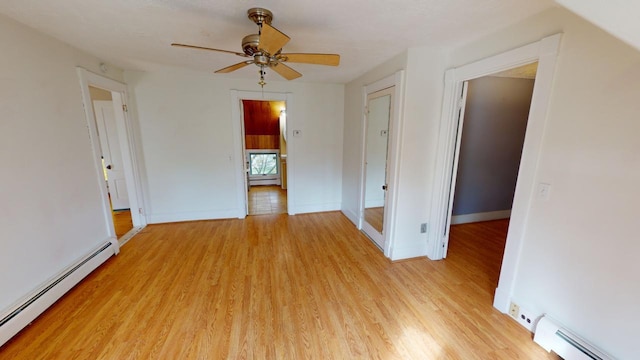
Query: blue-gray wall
x=494 y=126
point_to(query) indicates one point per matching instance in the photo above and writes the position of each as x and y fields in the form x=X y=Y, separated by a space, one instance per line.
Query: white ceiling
x=135 y=34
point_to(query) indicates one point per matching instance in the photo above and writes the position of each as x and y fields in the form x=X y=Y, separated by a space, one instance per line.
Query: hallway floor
x=270 y=199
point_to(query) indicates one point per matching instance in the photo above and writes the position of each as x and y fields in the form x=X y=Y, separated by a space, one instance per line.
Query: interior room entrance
x=265 y=149
x=112 y=162
x=493 y=125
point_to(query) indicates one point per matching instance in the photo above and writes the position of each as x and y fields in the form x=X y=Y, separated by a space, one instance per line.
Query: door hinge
x=366 y=110
x=124 y=108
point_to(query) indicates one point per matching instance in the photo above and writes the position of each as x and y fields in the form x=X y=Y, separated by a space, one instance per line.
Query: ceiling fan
x=265 y=49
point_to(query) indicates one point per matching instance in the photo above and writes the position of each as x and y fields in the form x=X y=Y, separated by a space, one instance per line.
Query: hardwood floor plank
x=278 y=287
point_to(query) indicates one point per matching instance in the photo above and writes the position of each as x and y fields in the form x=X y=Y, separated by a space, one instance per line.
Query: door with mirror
x=377 y=133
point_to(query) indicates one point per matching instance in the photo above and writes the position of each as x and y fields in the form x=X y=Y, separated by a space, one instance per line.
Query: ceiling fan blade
x=206 y=48
x=285 y=71
x=233 y=67
x=272 y=39
x=318 y=59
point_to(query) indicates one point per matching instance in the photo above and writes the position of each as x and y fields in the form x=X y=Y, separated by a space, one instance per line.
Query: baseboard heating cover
x=28 y=310
x=551 y=336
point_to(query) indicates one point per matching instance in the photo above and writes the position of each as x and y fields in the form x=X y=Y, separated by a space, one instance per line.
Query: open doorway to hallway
x=493 y=128
x=112 y=162
x=264 y=124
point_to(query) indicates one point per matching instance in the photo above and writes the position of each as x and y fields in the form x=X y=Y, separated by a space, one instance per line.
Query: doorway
x=265 y=149
x=113 y=145
x=112 y=164
x=492 y=130
x=545 y=52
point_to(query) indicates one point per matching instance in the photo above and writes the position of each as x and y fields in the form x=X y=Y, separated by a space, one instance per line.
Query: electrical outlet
x=423 y=228
x=526 y=319
x=514 y=310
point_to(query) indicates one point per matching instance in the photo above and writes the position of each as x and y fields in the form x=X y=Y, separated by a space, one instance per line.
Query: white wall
x=495 y=121
x=579 y=258
x=187 y=141
x=51 y=211
x=423 y=101
x=618 y=17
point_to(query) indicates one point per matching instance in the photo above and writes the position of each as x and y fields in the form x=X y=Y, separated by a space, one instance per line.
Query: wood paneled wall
x=262 y=141
x=261 y=124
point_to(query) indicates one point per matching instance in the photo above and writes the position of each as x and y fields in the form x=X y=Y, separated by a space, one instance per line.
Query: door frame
x=545 y=52
x=397 y=81
x=127 y=148
x=237 y=116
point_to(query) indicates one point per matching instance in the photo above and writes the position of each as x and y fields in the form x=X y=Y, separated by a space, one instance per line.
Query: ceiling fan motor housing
x=250 y=44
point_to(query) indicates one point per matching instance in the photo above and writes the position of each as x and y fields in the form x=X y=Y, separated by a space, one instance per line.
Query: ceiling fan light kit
x=266 y=50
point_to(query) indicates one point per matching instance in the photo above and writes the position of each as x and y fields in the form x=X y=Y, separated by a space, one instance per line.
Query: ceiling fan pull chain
x=262 y=83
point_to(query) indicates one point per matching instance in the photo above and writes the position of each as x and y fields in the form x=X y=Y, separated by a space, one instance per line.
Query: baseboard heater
x=28 y=310
x=552 y=337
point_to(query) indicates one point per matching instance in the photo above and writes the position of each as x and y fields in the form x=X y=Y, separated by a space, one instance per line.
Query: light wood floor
x=375 y=217
x=278 y=287
x=267 y=199
x=122 y=222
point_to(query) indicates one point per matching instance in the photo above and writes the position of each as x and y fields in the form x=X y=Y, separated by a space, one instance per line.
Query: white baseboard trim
x=259 y=182
x=313 y=208
x=501 y=300
x=352 y=216
x=34 y=304
x=417 y=250
x=484 y=216
x=374 y=203
x=192 y=216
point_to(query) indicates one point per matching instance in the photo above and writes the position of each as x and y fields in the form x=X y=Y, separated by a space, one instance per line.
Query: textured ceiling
x=135 y=34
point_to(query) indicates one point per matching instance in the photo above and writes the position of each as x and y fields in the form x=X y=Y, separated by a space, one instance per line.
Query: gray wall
x=494 y=126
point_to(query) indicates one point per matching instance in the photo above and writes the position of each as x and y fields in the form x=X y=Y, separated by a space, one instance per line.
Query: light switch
x=544 y=191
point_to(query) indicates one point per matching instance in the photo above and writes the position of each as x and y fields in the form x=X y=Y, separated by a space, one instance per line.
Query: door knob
x=108 y=167
x=384 y=187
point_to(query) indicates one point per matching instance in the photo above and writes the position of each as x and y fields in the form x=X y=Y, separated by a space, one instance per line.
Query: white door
x=111 y=154
x=377 y=132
